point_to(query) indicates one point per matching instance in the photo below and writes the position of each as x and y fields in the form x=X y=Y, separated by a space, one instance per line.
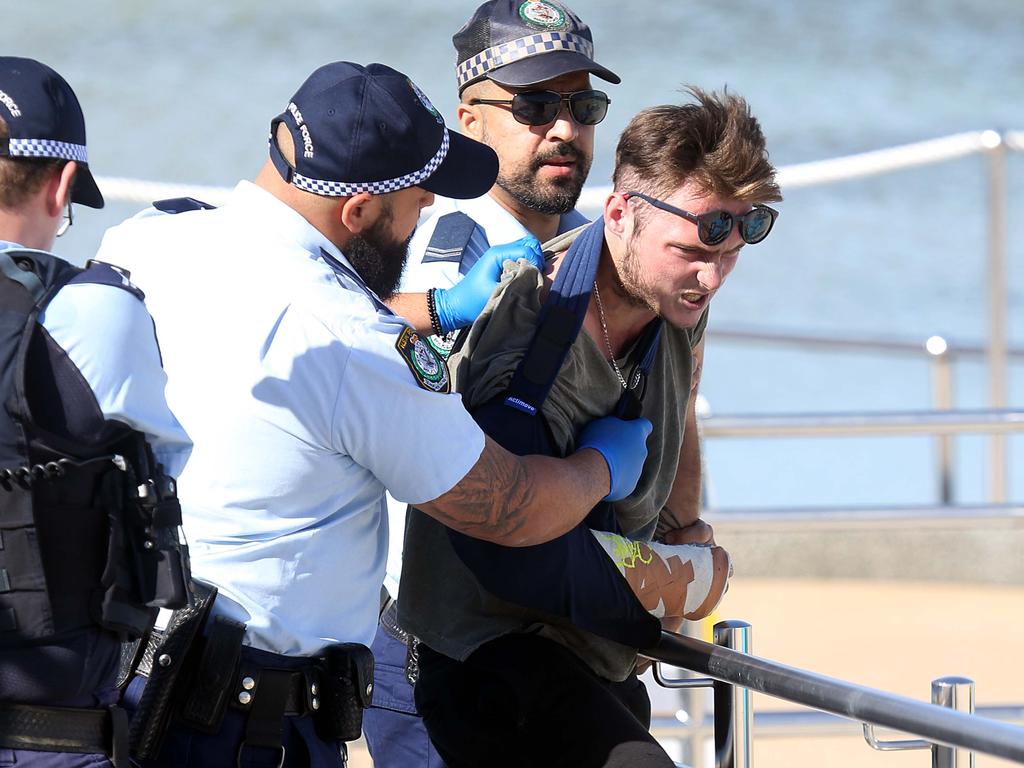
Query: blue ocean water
x=184 y=92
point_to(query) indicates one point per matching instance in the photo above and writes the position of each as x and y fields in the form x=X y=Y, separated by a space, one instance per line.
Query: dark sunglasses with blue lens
x=714 y=227
x=542 y=107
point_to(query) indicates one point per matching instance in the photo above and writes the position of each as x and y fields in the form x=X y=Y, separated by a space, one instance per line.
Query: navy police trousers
x=394 y=730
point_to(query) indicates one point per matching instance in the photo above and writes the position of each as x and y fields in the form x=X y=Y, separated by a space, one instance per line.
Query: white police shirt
x=494 y=226
x=108 y=334
x=285 y=372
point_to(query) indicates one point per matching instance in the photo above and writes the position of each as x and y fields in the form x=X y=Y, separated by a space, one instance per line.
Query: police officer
x=306 y=398
x=88 y=520
x=524 y=78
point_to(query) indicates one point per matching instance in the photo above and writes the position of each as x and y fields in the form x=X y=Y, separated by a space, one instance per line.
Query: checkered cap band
x=48 y=148
x=522 y=48
x=349 y=188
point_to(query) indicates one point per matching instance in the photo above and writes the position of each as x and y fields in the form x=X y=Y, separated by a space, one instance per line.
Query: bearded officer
x=523 y=75
x=307 y=398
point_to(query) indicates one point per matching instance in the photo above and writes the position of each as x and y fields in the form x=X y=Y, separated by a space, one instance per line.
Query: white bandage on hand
x=685 y=580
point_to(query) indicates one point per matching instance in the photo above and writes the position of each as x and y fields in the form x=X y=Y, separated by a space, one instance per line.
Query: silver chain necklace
x=607 y=341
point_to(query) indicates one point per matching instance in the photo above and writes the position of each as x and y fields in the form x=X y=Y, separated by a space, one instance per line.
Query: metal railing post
x=942 y=400
x=734 y=715
x=955 y=693
x=996 y=152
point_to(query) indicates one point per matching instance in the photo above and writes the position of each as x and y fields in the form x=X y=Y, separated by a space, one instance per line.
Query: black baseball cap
x=370 y=129
x=518 y=44
x=45 y=120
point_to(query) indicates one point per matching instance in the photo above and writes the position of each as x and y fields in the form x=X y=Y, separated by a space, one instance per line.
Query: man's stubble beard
x=630 y=284
x=557 y=196
x=378 y=257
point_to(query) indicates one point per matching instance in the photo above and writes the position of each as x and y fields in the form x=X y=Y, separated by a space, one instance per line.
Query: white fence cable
x=789 y=176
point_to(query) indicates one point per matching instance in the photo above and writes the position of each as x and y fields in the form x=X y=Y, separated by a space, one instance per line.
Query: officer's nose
x=564 y=128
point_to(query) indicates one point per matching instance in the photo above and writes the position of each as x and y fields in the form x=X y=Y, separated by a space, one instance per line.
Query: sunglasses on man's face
x=542 y=107
x=714 y=227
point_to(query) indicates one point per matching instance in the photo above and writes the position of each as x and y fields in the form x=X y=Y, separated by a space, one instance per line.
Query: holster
x=347 y=676
x=169 y=661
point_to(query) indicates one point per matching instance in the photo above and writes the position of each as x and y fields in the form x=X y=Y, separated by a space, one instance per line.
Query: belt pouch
x=207 y=700
x=347 y=681
x=168 y=661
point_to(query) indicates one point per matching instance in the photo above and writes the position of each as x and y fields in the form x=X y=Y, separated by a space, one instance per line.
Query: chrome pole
x=734 y=715
x=997 y=313
x=955 y=693
x=942 y=400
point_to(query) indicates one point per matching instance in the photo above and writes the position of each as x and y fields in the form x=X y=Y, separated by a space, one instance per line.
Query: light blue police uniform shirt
x=285 y=373
x=494 y=226
x=108 y=334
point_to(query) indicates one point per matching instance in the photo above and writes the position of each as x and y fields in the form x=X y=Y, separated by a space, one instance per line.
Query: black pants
x=524 y=701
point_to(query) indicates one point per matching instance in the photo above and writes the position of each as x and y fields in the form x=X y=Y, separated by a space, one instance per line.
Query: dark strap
x=64 y=729
x=264 y=727
x=101 y=273
x=29 y=280
x=208 y=699
x=559 y=322
x=344 y=274
x=181 y=205
x=452 y=234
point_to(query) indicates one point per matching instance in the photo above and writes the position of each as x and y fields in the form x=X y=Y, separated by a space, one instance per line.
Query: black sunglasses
x=714 y=226
x=542 y=107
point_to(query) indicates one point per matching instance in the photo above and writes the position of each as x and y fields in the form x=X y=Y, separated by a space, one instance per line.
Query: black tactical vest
x=88 y=526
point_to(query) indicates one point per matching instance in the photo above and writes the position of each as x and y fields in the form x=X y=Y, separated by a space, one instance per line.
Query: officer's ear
x=469 y=120
x=469 y=117
x=58 y=189
x=359 y=212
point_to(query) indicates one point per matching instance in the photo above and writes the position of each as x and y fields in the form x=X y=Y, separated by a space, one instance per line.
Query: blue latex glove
x=461 y=304
x=623 y=445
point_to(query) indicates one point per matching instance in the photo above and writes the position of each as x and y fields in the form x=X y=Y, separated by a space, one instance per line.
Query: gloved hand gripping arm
x=461 y=304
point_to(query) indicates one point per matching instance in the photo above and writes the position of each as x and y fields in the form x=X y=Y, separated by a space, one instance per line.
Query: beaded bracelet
x=435 y=321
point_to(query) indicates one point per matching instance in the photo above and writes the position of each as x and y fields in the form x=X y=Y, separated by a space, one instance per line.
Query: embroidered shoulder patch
x=429 y=370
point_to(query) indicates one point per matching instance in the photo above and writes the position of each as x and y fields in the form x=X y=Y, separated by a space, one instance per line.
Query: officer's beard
x=378 y=257
x=556 y=196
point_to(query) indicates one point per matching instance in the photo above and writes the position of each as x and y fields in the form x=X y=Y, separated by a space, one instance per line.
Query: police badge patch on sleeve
x=427 y=367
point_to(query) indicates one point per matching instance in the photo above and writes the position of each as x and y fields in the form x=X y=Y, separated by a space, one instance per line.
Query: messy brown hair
x=22 y=177
x=715 y=143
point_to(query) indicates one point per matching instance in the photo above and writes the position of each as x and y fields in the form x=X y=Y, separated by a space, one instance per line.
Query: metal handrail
x=917 y=518
x=939 y=725
x=789 y=176
x=1002 y=421
x=780 y=724
x=848 y=343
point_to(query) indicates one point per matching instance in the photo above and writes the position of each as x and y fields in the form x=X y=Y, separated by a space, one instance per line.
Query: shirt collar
x=280 y=219
x=288 y=224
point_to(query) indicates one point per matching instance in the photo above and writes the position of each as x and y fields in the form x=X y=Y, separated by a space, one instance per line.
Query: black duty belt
x=65 y=729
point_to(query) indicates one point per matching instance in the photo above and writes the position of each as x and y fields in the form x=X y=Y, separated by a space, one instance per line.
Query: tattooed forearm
x=517 y=501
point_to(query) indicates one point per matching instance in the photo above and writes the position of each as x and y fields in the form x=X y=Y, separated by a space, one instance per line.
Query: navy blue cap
x=370 y=129
x=45 y=120
x=518 y=44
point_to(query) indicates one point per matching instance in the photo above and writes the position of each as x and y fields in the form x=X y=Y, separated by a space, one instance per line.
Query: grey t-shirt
x=441 y=601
